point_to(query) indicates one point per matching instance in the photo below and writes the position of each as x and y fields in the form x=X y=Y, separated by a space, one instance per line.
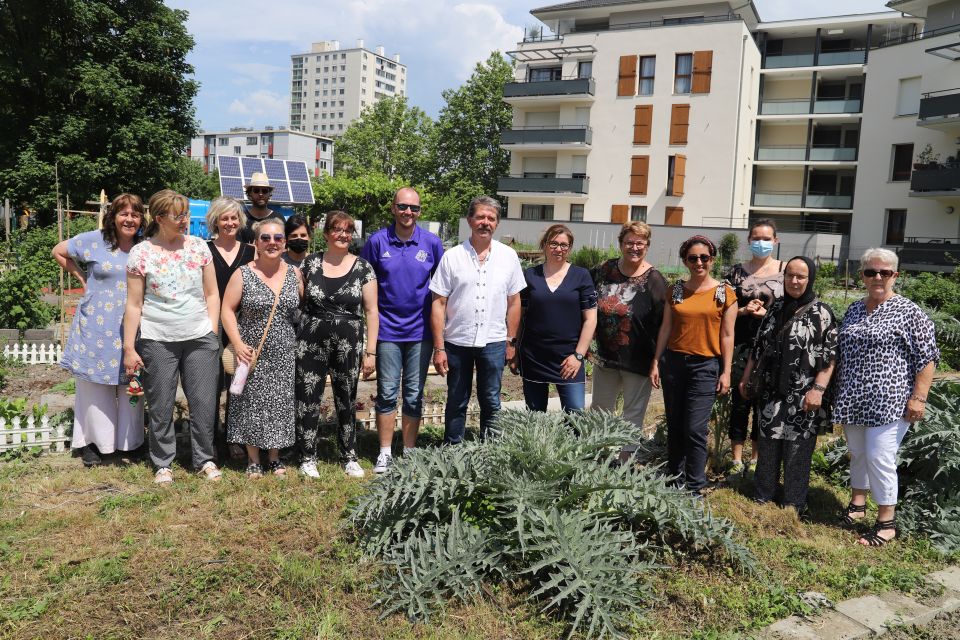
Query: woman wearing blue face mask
x=758 y=284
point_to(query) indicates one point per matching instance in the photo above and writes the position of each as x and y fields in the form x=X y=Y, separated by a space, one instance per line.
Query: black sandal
x=254 y=471
x=874 y=539
x=277 y=468
x=853 y=508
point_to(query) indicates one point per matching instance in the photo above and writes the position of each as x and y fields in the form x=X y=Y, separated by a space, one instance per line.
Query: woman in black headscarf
x=794 y=358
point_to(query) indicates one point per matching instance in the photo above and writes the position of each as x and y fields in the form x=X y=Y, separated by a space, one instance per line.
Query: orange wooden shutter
x=674 y=217
x=642 y=123
x=702 y=71
x=627 y=82
x=639 y=169
x=679 y=173
x=619 y=213
x=679 y=123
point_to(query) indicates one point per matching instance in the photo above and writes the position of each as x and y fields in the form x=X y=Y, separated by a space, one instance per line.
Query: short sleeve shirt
x=174 y=307
x=246 y=234
x=697 y=319
x=404 y=269
x=477 y=294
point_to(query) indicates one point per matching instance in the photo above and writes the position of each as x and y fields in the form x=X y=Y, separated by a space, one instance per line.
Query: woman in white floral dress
x=104 y=421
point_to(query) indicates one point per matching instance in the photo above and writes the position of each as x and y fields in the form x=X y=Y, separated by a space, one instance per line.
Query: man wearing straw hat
x=258 y=193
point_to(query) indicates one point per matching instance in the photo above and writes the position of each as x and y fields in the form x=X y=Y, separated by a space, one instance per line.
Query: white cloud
x=261 y=106
x=257 y=72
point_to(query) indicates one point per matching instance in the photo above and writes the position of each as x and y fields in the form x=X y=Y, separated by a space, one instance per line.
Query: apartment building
x=634 y=111
x=330 y=87
x=280 y=144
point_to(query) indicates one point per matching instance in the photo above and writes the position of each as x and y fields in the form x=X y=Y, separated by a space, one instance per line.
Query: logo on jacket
x=386 y=254
x=421 y=255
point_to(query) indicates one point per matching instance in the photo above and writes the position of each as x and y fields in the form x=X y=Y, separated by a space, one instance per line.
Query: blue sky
x=243 y=48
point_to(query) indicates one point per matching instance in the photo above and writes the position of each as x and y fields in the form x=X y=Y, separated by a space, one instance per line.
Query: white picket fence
x=25 y=432
x=48 y=353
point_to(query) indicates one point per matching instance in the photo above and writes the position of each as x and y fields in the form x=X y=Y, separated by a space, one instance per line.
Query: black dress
x=330 y=341
x=223 y=270
x=552 y=323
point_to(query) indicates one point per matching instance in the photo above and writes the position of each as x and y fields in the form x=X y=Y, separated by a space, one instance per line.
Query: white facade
x=330 y=87
x=280 y=144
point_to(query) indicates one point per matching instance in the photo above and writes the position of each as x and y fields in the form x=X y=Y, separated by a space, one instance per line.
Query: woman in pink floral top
x=172 y=297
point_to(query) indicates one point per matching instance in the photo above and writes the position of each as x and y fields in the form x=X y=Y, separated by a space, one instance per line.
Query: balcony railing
x=560 y=87
x=854 y=56
x=796 y=200
x=828 y=201
x=667 y=22
x=825 y=59
x=919 y=35
x=836 y=105
x=798 y=153
x=833 y=154
x=792 y=60
x=940 y=104
x=567 y=134
x=543 y=183
x=801 y=106
x=942 y=252
x=937 y=178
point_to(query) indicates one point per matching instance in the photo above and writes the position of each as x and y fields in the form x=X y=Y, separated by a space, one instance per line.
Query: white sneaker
x=353 y=469
x=309 y=469
x=384 y=460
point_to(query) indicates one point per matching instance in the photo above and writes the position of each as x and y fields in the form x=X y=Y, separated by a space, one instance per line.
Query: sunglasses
x=873 y=273
x=277 y=237
x=703 y=257
x=403 y=206
x=260 y=189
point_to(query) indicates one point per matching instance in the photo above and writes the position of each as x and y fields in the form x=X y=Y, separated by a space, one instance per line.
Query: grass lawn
x=105 y=554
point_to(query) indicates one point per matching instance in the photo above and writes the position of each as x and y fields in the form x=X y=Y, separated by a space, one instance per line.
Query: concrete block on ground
x=56 y=403
x=880 y=612
x=949 y=578
x=829 y=626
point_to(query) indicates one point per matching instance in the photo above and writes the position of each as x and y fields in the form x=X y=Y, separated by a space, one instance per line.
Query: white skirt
x=103 y=416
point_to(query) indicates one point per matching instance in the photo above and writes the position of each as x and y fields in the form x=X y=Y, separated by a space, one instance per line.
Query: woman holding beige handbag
x=266 y=292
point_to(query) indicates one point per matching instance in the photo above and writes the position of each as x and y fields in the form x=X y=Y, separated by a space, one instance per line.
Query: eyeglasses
x=562 y=246
x=277 y=237
x=178 y=218
x=341 y=232
x=873 y=273
x=260 y=189
x=636 y=245
x=703 y=257
x=403 y=206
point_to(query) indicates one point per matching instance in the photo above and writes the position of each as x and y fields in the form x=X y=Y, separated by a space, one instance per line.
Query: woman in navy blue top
x=560 y=315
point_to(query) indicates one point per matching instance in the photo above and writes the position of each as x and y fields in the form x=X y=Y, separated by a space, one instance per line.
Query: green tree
x=391 y=138
x=467 y=141
x=100 y=88
x=191 y=181
x=366 y=197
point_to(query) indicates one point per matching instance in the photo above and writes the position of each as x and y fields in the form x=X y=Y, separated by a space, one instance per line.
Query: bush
x=934 y=290
x=590 y=257
x=729 y=244
x=543 y=503
x=20 y=304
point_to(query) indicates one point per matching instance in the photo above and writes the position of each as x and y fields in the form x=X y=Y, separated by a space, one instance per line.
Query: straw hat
x=258 y=179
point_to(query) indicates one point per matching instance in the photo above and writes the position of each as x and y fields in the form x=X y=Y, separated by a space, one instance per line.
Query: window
x=236 y=151
x=341 y=127
x=638 y=213
x=585 y=69
x=343 y=67
x=683 y=73
x=896 y=226
x=343 y=79
x=908 y=97
x=902 y=162
x=536 y=212
x=576 y=213
x=341 y=92
x=627 y=76
x=679 y=123
x=223 y=142
x=648 y=68
x=323 y=146
x=676 y=174
x=544 y=74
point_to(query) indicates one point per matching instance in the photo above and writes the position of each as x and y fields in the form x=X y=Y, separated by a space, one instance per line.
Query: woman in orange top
x=696 y=343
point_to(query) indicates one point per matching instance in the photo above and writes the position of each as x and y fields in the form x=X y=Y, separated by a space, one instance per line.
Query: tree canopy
x=101 y=88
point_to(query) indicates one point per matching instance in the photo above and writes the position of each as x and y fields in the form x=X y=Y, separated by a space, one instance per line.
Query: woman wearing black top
x=225 y=218
x=560 y=315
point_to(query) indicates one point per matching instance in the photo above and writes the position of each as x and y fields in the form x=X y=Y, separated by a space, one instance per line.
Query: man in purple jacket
x=404 y=257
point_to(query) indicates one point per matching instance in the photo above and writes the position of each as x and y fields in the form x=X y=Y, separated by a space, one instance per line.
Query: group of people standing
x=160 y=305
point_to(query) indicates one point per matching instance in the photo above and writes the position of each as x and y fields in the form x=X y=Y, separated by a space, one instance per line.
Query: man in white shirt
x=475 y=316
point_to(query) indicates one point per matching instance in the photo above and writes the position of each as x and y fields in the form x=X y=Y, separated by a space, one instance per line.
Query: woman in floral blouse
x=796 y=348
x=888 y=353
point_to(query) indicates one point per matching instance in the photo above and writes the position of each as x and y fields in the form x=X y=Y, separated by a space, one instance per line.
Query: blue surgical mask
x=761 y=248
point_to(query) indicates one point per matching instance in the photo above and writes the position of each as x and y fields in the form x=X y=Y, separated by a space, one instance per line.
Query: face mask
x=761 y=248
x=298 y=245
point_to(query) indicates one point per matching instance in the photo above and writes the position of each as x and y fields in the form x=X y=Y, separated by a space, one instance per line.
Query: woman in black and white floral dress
x=340 y=293
x=796 y=348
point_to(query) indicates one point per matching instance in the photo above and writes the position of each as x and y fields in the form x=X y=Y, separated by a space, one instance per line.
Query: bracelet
x=435 y=349
x=371 y=353
x=920 y=399
x=819 y=387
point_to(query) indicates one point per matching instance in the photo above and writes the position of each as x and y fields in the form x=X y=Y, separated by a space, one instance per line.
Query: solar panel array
x=289 y=178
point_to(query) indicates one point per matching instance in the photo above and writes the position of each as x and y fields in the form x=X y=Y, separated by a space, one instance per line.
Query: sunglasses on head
x=883 y=273
x=277 y=237
x=403 y=206
x=703 y=257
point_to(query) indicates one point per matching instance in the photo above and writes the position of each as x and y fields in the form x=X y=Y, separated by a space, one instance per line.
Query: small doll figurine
x=135 y=387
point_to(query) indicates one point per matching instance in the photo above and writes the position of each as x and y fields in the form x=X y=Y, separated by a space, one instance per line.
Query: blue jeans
x=572 y=395
x=490 y=361
x=689 y=390
x=406 y=361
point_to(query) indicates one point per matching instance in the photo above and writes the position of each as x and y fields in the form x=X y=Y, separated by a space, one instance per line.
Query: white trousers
x=873 y=458
x=103 y=416
x=607 y=385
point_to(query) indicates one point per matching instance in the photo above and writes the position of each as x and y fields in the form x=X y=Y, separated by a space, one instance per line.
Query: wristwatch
x=511 y=341
x=578 y=356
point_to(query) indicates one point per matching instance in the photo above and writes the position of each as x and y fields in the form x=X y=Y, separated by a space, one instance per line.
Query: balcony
x=798 y=153
x=546 y=138
x=939 y=108
x=825 y=59
x=543 y=183
x=561 y=90
x=828 y=201
x=936 y=180
x=930 y=254
x=797 y=200
x=836 y=105
x=801 y=106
